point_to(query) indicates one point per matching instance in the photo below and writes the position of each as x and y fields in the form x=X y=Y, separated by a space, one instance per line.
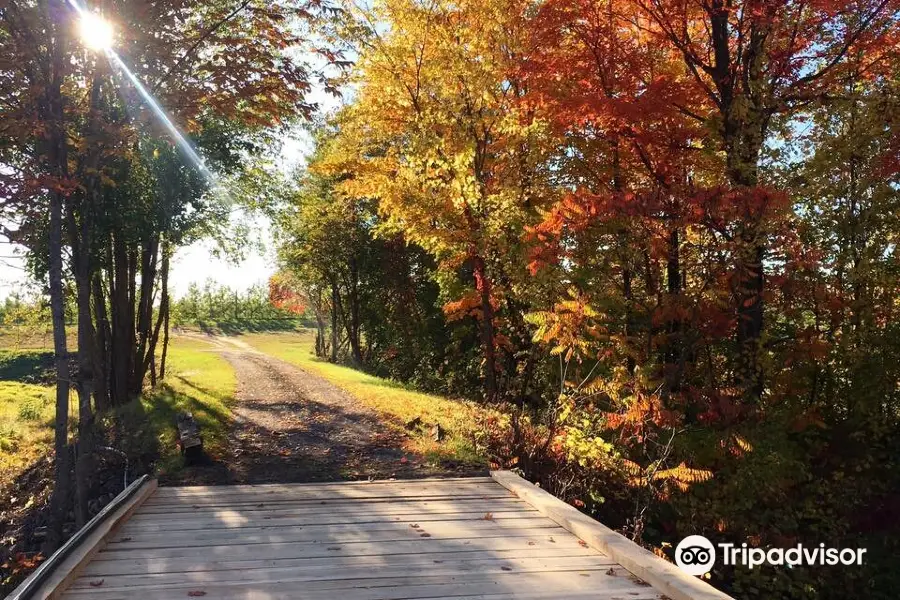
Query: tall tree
x=70 y=142
x=437 y=138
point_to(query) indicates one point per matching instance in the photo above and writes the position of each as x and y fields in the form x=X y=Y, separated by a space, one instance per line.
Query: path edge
x=56 y=573
x=658 y=572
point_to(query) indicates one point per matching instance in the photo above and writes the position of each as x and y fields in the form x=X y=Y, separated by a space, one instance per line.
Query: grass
x=20 y=337
x=200 y=382
x=26 y=426
x=398 y=403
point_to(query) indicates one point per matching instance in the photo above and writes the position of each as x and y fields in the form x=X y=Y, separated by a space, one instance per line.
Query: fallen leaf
x=488 y=517
x=425 y=535
x=506 y=568
x=97 y=582
x=582 y=543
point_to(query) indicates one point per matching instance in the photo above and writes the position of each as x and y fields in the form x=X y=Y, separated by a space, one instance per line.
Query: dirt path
x=293 y=426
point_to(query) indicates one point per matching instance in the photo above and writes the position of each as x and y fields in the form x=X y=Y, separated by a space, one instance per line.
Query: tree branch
x=199 y=41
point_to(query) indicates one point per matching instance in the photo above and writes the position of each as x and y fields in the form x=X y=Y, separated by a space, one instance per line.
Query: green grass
x=398 y=403
x=201 y=382
x=26 y=426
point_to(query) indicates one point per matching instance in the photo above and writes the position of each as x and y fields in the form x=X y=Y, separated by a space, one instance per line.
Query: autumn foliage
x=664 y=236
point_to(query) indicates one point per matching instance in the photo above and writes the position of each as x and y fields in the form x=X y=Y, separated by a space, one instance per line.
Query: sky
x=198 y=262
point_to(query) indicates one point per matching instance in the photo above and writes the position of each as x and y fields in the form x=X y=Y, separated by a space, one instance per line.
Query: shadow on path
x=293 y=426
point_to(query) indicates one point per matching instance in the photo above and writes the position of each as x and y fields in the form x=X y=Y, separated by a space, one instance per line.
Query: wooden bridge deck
x=464 y=539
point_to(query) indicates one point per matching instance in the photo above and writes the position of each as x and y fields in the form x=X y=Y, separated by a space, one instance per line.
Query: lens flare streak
x=182 y=142
x=114 y=59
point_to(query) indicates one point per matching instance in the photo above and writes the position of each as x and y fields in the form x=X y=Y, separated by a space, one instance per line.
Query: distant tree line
x=215 y=306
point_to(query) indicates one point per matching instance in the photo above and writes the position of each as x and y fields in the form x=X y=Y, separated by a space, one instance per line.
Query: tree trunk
x=744 y=123
x=743 y=157
x=84 y=384
x=483 y=285
x=80 y=218
x=122 y=323
x=141 y=362
x=80 y=240
x=352 y=324
x=335 y=310
x=61 y=479
x=165 y=348
x=101 y=346
x=149 y=361
x=58 y=165
x=627 y=287
x=674 y=343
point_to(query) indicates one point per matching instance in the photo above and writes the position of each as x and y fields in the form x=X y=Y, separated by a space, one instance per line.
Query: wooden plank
x=173 y=491
x=469 y=504
x=311 y=504
x=237 y=522
x=661 y=574
x=236 y=551
x=320 y=505
x=274 y=502
x=353 y=569
x=358 y=493
x=301 y=537
x=229 y=515
x=471 y=584
x=111 y=568
x=534 y=519
x=72 y=566
x=371 y=531
x=519 y=595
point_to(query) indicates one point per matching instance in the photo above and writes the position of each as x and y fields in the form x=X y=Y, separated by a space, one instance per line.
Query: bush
x=32 y=408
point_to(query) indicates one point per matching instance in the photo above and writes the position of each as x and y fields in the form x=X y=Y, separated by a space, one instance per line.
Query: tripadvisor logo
x=696 y=555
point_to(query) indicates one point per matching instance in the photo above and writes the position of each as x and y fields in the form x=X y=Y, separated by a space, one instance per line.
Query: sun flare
x=96 y=32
